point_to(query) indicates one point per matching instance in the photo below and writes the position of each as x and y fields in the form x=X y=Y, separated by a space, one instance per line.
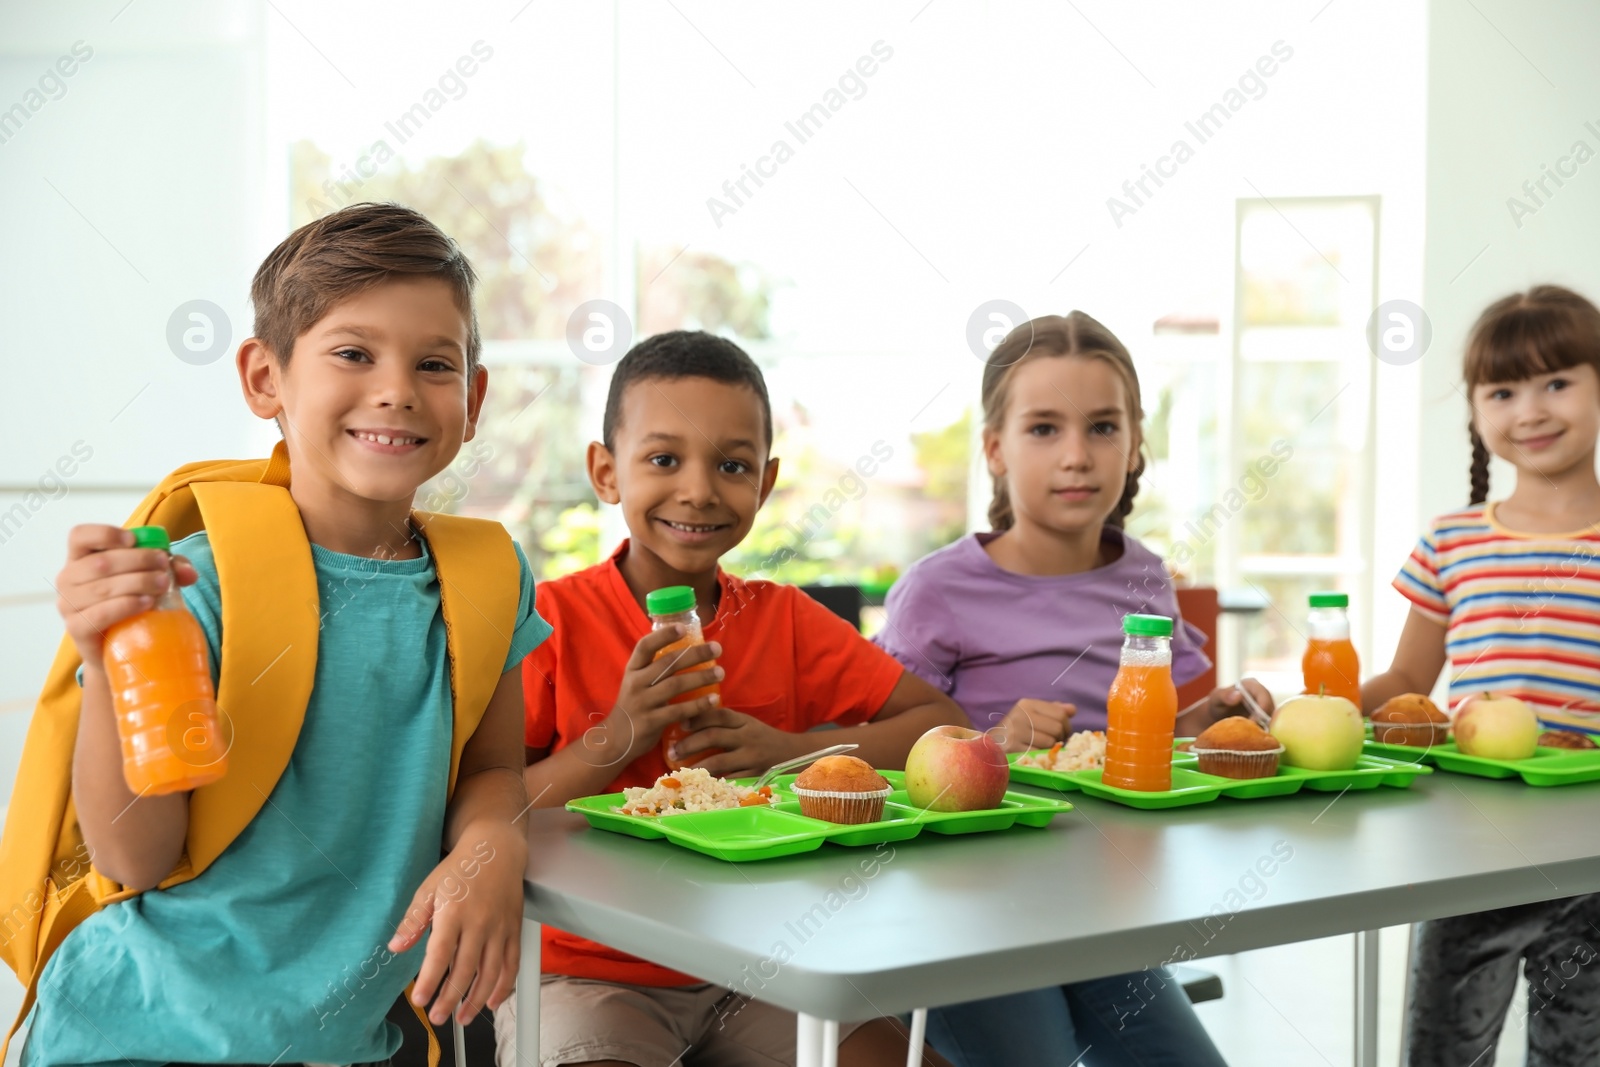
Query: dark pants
x=1131 y=1020
x=1464 y=973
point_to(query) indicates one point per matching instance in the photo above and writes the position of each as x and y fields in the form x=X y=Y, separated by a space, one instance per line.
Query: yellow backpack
x=270 y=623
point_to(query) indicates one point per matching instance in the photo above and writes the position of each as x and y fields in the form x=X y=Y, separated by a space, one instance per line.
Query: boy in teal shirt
x=294 y=943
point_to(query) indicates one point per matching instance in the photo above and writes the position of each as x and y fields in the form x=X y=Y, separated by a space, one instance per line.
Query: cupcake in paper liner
x=1237 y=748
x=842 y=789
x=1410 y=719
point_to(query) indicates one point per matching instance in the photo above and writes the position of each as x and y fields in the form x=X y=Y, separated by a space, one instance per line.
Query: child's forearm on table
x=1378 y=689
x=885 y=742
x=570 y=772
x=134 y=840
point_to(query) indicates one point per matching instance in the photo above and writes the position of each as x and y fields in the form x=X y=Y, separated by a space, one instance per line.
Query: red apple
x=1496 y=727
x=952 y=768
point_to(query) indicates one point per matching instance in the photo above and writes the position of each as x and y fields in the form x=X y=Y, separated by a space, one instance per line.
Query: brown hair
x=1073 y=334
x=346 y=252
x=1546 y=329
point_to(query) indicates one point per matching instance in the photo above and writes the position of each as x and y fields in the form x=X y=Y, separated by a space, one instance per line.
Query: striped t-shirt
x=1521 y=612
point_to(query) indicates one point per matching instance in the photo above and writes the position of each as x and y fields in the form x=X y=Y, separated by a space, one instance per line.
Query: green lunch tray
x=1546 y=767
x=768 y=831
x=1189 y=786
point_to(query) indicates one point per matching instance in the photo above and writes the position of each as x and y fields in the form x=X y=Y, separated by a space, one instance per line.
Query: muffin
x=1565 y=739
x=841 y=789
x=1410 y=719
x=1235 y=747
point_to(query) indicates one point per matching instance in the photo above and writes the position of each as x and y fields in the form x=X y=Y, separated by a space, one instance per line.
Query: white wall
x=123 y=200
x=1509 y=90
x=132 y=192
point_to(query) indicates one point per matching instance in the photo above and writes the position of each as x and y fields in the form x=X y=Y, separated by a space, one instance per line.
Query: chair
x=1198 y=985
x=1199 y=605
x=844 y=601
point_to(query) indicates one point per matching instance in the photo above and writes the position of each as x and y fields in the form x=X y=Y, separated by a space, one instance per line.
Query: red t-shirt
x=790 y=662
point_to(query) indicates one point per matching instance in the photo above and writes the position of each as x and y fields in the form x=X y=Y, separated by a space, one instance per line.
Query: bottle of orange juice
x=1330 y=665
x=161 y=690
x=1142 y=708
x=674 y=606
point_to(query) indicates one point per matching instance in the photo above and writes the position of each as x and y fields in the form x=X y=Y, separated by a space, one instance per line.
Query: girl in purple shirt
x=1023 y=628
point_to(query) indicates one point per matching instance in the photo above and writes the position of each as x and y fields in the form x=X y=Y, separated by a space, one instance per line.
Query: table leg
x=919 y=1034
x=816 y=1041
x=528 y=995
x=1405 y=999
x=1366 y=998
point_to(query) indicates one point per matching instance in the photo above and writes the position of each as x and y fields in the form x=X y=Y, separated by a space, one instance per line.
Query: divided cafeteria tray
x=1546 y=767
x=769 y=830
x=1189 y=786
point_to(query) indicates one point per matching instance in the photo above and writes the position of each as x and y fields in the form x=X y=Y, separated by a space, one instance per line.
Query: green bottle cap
x=151 y=537
x=1330 y=600
x=1147 y=625
x=669 y=601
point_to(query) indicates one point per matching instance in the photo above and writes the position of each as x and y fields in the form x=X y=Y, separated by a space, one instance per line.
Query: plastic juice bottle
x=156 y=662
x=1330 y=664
x=674 y=606
x=1142 y=708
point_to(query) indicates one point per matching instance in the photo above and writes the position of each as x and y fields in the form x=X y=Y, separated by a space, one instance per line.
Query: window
x=1301 y=436
x=592 y=160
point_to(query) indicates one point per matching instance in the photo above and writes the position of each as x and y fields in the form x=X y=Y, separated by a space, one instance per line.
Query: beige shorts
x=581 y=1019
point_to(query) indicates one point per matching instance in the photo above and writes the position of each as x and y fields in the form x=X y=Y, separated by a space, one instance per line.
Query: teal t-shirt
x=277 y=953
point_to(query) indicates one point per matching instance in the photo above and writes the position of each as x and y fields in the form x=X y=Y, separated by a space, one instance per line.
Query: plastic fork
x=1262 y=719
x=800 y=761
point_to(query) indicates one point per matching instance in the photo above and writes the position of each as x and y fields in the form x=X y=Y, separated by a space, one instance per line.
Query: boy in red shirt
x=687 y=432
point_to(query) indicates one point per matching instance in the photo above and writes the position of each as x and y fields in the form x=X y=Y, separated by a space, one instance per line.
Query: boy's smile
x=388 y=440
x=690 y=470
x=374 y=401
x=692 y=533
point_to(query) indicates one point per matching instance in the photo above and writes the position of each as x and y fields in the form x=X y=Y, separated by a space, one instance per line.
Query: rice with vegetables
x=690 y=789
x=1083 y=751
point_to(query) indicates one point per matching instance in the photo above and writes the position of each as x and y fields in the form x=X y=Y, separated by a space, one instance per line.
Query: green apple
x=1496 y=728
x=1319 y=732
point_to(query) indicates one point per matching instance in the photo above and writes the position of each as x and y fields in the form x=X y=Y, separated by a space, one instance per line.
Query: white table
x=947 y=919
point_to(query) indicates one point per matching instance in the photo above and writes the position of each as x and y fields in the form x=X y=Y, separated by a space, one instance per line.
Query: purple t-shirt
x=990 y=637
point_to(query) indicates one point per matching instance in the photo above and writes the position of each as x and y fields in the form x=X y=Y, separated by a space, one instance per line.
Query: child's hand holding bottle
x=134 y=834
x=154 y=661
x=107 y=580
x=731 y=744
x=644 y=707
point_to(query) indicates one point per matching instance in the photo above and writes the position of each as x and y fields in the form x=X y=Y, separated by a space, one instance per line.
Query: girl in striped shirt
x=1509 y=594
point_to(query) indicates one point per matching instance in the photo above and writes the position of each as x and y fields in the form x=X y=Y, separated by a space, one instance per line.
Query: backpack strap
x=434 y=1051
x=270 y=621
x=480 y=587
x=62 y=912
